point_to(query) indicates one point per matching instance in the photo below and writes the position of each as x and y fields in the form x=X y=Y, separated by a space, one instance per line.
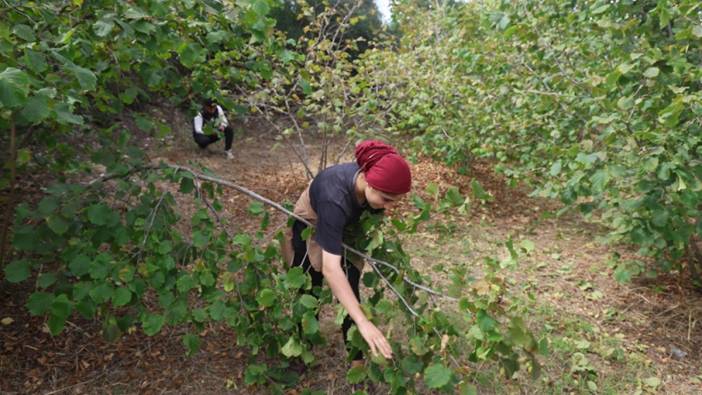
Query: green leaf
x=651 y=164
x=128 y=96
x=651 y=72
x=652 y=382
x=592 y=386
x=308 y=301
x=242 y=240
x=216 y=37
x=191 y=343
x=14 y=86
x=46 y=280
x=200 y=315
x=527 y=245
x=24 y=32
x=600 y=10
x=23 y=156
x=625 y=102
x=478 y=191
x=65 y=115
x=306 y=87
x=697 y=31
x=467 y=389
x=47 y=206
x=186 y=185
x=152 y=323
x=200 y=239
x=310 y=324
x=57 y=224
x=295 y=278
x=418 y=345
x=36 y=109
x=555 y=168
x=85 y=77
x=185 y=283
x=437 y=376
x=135 y=13
x=625 y=68
x=660 y=217
x=121 y=297
x=519 y=335
x=217 y=310
x=144 y=122
x=356 y=374
x=103 y=27
x=292 y=348
x=266 y=297
x=622 y=274
x=61 y=306
x=485 y=322
x=102 y=293
x=80 y=265
x=600 y=180
x=411 y=365
x=99 y=214
x=36 y=61
x=261 y=7
x=39 y=303
x=256 y=208
x=86 y=307
x=18 y=271
x=453 y=196
x=664 y=172
x=191 y=54
x=61 y=309
x=100 y=267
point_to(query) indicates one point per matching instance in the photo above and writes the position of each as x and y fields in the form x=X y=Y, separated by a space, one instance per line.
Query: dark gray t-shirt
x=333 y=198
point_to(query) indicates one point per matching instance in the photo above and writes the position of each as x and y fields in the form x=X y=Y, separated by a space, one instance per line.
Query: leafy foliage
x=116 y=249
x=595 y=103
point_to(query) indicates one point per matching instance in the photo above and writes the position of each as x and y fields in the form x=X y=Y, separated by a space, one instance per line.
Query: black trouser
x=203 y=140
x=353 y=275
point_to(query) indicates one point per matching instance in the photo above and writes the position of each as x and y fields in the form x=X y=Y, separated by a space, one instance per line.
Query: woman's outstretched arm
x=332 y=271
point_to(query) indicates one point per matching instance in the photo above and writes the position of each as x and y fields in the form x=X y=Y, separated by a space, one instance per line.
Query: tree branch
x=279 y=207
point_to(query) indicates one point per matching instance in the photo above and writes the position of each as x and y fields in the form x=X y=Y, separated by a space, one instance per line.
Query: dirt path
x=627 y=334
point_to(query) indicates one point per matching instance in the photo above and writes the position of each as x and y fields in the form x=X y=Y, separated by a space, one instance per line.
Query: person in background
x=212 y=113
x=334 y=202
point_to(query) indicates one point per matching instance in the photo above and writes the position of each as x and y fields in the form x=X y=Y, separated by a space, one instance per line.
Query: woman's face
x=381 y=200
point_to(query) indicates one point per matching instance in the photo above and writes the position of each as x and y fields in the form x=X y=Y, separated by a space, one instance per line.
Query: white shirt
x=220 y=121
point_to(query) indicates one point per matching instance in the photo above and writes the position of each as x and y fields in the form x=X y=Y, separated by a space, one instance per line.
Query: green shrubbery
x=117 y=250
x=595 y=103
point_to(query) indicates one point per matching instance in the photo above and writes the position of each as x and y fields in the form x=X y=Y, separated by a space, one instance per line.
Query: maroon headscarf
x=384 y=168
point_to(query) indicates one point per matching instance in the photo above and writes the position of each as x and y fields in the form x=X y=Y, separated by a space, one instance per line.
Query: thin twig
x=397 y=293
x=17 y=10
x=209 y=206
x=153 y=217
x=343 y=151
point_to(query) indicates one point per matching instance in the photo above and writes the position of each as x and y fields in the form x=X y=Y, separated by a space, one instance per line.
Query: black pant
x=203 y=140
x=353 y=275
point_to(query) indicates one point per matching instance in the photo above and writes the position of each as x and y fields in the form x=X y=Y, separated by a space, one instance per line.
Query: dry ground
x=629 y=333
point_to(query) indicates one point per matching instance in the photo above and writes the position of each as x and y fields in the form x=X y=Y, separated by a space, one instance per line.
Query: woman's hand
x=375 y=339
